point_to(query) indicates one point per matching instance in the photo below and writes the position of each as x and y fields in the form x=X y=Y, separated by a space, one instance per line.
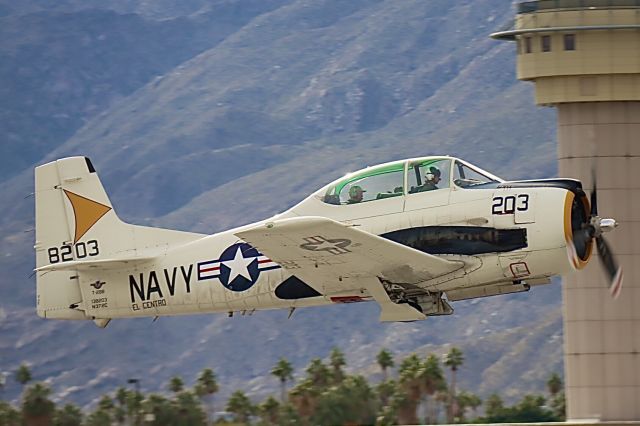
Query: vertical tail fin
x=75 y=221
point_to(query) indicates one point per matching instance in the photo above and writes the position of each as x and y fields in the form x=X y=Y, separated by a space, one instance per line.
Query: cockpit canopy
x=405 y=177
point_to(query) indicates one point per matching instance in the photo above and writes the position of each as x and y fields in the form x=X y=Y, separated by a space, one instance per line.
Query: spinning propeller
x=593 y=227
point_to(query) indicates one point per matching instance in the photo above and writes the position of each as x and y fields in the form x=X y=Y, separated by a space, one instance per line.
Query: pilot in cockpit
x=431 y=180
x=356 y=194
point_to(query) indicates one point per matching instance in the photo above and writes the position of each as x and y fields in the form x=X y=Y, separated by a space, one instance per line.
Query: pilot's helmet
x=354 y=190
x=432 y=173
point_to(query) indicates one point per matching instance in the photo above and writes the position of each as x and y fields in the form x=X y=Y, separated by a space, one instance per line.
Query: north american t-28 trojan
x=411 y=235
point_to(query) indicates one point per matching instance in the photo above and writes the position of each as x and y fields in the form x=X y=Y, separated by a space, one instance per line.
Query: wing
x=331 y=256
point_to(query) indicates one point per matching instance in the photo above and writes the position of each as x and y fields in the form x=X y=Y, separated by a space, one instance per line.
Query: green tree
x=269 y=411
x=99 y=418
x=23 y=374
x=134 y=405
x=350 y=402
x=454 y=359
x=559 y=407
x=558 y=401
x=284 y=372
x=411 y=386
x=69 y=415
x=531 y=409
x=467 y=400
x=164 y=412
x=336 y=359
x=189 y=409
x=37 y=408
x=554 y=384
x=176 y=385
x=385 y=391
x=433 y=381
x=240 y=405
x=385 y=361
x=304 y=397
x=288 y=416
x=9 y=416
x=391 y=413
x=120 y=411
x=318 y=373
x=493 y=406
x=206 y=387
x=441 y=400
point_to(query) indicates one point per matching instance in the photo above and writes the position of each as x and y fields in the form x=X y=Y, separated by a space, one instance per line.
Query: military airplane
x=411 y=235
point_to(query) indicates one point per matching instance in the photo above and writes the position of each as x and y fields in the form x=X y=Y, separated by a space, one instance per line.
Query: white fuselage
x=502 y=236
x=180 y=282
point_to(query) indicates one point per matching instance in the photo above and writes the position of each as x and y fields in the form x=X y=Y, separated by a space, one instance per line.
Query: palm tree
x=189 y=409
x=240 y=405
x=493 y=406
x=176 y=385
x=134 y=402
x=337 y=362
x=207 y=386
x=453 y=360
x=558 y=401
x=37 y=408
x=104 y=411
x=23 y=374
x=9 y=416
x=385 y=361
x=304 y=397
x=318 y=373
x=121 y=397
x=284 y=372
x=269 y=411
x=99 y=418
x=433 y=380
x=409 y=378
x=69 y=415
x=385 y=391
x=441 y=399
x=554 y=384
x=350 y=402
x=467 y=400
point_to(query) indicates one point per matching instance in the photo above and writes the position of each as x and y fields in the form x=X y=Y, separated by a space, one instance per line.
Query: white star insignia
x=238 y=266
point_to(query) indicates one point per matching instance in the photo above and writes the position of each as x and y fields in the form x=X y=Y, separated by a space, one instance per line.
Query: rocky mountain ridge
x=263 y=109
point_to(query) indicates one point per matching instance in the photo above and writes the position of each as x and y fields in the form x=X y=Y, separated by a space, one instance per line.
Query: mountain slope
x=300 y=94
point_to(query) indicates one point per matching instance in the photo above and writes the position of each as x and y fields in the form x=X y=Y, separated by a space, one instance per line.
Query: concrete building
x=584 y=58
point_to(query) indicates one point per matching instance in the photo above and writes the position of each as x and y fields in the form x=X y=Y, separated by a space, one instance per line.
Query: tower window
x=527 y=45
x=569 y=42
x=545 y=43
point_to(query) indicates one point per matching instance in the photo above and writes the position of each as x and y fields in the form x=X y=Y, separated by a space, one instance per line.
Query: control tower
x=584 y=58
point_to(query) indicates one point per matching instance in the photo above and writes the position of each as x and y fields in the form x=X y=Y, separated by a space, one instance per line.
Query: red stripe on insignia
x=265 y=261
x=210 y=269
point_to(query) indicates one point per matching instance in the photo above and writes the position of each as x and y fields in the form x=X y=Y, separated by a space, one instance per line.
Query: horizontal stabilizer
x=85 y=265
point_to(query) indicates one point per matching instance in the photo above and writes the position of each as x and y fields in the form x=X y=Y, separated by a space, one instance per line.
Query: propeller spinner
x=591 y=228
